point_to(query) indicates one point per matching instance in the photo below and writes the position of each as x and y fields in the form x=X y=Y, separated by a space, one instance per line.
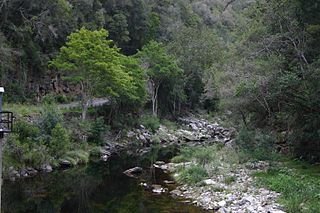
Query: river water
x=97 y=187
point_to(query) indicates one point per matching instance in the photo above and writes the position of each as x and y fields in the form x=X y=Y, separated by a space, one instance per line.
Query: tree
x=200 y=54
x=91 y=60
x=159 y=67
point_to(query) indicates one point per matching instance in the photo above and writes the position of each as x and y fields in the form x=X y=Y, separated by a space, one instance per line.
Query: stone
x=209 y=182
x=46 y=168
x=31 y=171
x=222 y=203
x=158 y=189
x=65 y=163
x=24 y=172
x=168 y=182
x=133 y=172
x=142 y=127
x=160 y=163
x=176 y=192
x=130 y=134
x=104 y=158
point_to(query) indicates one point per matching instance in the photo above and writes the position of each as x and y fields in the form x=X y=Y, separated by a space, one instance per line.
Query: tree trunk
x=155 y=101
x=84 y=109
x=85 y=101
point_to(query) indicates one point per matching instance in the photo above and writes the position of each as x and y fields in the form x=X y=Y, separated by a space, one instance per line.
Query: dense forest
x=259 y=59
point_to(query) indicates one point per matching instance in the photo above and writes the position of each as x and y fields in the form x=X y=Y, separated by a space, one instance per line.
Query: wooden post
x=1 y=140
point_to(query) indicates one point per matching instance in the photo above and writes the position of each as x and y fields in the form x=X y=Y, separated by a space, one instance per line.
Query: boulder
x=133 y=172
x=46 y=168
x=65 y=163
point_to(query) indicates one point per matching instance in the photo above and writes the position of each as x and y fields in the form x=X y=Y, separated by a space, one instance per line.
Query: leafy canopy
x=91 y=59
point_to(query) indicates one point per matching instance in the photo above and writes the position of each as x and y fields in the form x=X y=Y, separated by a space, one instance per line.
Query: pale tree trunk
x=155 y=91
x=84 y=102
x=84 y=109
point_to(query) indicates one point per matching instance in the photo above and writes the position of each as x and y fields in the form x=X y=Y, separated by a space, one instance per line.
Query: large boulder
x=133 y=172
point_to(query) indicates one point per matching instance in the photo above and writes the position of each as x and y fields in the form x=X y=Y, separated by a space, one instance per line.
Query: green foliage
x=77 y=157
x=49 y=118
x=256 y=145
x=204 y=155
x=26 y=131
x=59 y=142
x=93 y=61
x=185 y=155
x=171 y=125
x=150 y=122
x=162 y=71
x=229 y=179
x=97 y=131
x=27 y=152
x=192 y=175
x=298 y=184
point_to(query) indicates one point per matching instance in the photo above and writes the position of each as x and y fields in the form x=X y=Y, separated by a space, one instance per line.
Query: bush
x=48 y=99
x=204 y=155
x=26 y=131
x=256 y=144
x=78 y=156
x=298 y=184
x=60 y=141
x=61 y=99
x=97 y=130
x=50 y=117
x=152 y=123
x=80 y=129
x=26 y=153
x=192 y=174
x=185 y=155
x=169 y=124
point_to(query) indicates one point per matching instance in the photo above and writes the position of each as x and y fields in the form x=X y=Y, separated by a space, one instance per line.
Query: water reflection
x=98 y=187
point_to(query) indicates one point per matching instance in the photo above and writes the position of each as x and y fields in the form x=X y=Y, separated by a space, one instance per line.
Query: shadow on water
x=97 y=187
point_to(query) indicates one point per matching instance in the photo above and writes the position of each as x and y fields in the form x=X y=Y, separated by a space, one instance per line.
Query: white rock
x=222 y=203
x=209 y=182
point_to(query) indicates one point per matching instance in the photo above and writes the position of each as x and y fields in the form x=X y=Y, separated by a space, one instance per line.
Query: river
x=94 y=188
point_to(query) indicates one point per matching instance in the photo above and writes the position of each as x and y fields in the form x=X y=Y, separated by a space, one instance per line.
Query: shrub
x=229 y=179
x=80 y=129
x=26 y=131
x=192 y=174
x=59 y=142
x=50 y=117
x=185 y=155
x=204 y=155
x=62 y=99
x=78 y=156
x=299 y=186
x=169 y=124
x=19 y=154
x=48 y=99
x=97 y=130
x=257 y=144
x=152 y=123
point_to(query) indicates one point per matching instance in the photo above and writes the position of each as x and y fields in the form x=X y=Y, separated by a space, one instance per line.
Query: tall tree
x=92 y=60
x=159 y=67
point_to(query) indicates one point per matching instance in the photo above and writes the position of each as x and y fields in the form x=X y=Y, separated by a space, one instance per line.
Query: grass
x=229 y=179
x=206 y=162
x=23 y=109
x=298 y=183
x=192 y=174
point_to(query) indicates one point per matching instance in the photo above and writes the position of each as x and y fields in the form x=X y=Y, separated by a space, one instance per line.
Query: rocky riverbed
x=241 y=195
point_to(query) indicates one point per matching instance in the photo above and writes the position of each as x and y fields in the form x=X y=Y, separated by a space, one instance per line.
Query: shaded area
x=98 y=187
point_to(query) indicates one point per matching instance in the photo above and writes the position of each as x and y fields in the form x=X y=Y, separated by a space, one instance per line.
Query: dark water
x=97 y=187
